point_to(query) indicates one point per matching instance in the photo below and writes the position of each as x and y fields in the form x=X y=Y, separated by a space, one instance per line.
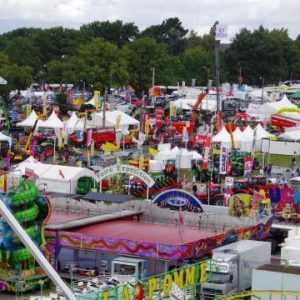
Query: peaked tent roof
x=6 y=138
x=29 y=121
x=222 y=137
x=261 y=133
x=237 y=134
x=52 y=122
x=248 y=134
x=293 y=135
x=74 y=123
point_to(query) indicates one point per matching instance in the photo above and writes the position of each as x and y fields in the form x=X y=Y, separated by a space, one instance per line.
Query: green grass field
x=277 y=159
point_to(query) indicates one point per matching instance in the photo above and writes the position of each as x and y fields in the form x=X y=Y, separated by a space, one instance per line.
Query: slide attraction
x=19 y=271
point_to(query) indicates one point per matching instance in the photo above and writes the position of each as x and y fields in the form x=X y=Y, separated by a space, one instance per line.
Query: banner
x=207 y=145
x=248 y=165
x=3 y=184
x=221 y=32
x=79 y=135
x=176 y=284
x=224 y=161
x=173 y=110
x=89 y=137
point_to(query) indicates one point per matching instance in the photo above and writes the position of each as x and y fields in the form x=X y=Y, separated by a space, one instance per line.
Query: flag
x=207 y=144
x=224 y=157
x=147 y=127
x=153 y=151
x=118 y=122
x=141 y=162
x=61 y=173
x=89 y=137
x=92 y=148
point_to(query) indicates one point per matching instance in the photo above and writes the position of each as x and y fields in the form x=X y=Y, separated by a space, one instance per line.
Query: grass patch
x=279 y=160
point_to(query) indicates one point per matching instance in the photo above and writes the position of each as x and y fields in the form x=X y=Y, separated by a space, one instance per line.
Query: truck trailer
x=231 y=266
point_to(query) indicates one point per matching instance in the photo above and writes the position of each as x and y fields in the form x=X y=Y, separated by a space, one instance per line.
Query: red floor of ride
x=169 y=234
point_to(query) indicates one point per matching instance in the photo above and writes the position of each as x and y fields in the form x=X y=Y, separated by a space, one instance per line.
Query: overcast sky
x=195 y=14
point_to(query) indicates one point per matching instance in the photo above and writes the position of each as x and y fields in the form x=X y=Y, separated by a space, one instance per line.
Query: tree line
x=112 y=54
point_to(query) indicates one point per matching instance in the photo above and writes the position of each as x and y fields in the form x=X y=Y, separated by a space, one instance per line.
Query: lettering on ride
x=160 y=286
x=126 y=169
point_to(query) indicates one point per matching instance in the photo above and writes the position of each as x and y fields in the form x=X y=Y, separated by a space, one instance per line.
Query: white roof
x=74 y=123
x=273 y=107
x=196 y=155
x=293 y=135
x=3 y=81
x=248 y=134
x=4 y=137
x=237 y=134
x=52 y=122
x=222 y=137
x=261 y=133
x=52 y=172
x=29 y=121
x=184 y=103
x=111 y=118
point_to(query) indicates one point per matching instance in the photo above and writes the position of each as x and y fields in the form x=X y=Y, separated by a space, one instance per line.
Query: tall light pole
x=217 y=66
x=153 y=77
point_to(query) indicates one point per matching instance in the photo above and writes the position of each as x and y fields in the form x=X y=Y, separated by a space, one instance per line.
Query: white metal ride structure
x=35 y=251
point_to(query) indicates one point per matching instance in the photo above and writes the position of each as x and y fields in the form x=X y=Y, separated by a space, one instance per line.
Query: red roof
x=152 y=233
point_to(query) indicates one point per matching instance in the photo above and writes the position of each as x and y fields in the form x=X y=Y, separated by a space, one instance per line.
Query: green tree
x=22 y=52
x=144 y=54
x=170 y=32
x=57 y=42
x=262 y=53
x=98 y=63
x=18 y=77
x=197 y=63
x=115 y=32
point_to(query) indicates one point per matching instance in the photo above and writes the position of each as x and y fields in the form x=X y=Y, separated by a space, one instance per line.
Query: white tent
x=184 y=103
x=74 y=123
x=196 y=155
x=237 y=137
x=292 y=135
x=223 y=137
x=259 y=134
x=3 y=81
x=6 y=138
x=247 y=142
x=273 y=107
x=54 y=178
x=111 y=119
x=183 y=157
x=29 y=121
x=52 y=122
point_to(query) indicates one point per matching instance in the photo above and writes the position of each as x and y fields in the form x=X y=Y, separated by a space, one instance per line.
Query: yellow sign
x=153 y=151
x=118 y=122
x=109 y=147
x=147 y=127
x=158 y=287
x=97 y=99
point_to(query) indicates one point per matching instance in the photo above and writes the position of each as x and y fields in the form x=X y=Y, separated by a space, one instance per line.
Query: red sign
x=248 y=164
x=207 y=144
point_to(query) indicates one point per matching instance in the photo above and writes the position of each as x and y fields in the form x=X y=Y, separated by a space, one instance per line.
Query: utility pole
x=153 y=77
x=262 y=88
x=217 y=66
x=104 y=108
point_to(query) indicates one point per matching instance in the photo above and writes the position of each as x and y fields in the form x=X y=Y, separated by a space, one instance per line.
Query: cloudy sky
x=195 y=14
